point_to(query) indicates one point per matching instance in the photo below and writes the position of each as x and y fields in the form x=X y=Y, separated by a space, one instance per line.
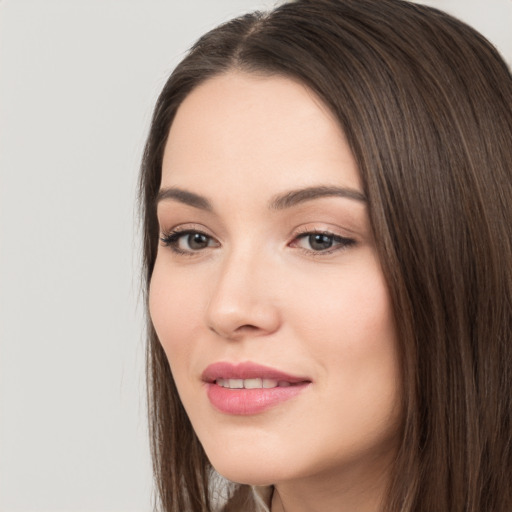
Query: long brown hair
x=426 y=105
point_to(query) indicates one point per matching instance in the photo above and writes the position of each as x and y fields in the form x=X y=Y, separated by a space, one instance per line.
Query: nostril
x=236 y=333
x=246 y=328
x=249 y=317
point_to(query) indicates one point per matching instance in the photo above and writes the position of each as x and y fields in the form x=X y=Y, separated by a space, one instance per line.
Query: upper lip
x=247 y=370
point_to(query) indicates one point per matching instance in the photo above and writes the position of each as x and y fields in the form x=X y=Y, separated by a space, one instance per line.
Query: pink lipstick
x=249 y=388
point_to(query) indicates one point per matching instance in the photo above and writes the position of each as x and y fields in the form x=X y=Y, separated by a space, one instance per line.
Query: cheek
x=346 y=312
x=347 y=327
x=174 y=307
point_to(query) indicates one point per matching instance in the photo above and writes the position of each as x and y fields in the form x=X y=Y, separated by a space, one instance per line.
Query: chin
x=251 y=467
x=242 y=476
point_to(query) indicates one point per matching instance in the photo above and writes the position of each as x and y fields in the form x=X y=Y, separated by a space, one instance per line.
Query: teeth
x=251 y=383
x=236 y=383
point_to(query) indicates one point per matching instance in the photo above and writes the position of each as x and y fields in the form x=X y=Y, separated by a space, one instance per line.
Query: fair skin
x=246 y=273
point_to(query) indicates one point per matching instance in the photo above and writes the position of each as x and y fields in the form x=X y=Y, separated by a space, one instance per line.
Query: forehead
x=265 y=131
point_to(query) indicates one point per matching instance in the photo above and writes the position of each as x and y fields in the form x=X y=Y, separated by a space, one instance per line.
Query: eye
x=183 y=242
x=322 y=242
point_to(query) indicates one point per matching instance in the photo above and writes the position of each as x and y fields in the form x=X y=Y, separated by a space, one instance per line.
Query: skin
x=259 y=291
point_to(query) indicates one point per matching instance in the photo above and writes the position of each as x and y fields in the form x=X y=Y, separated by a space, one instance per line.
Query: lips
x=249 y=388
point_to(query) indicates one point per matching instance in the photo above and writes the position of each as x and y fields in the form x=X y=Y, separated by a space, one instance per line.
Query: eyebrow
x=279 y=202
x=294 y=197
x=185 y=197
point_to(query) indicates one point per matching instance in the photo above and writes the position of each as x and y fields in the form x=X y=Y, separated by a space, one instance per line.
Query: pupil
x=320 y=242
x=197 y=241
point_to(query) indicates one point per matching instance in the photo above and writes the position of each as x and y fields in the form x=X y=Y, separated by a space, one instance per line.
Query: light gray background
x=77 y=83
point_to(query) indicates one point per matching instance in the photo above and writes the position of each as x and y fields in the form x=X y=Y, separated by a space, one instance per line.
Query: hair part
x=425 y=103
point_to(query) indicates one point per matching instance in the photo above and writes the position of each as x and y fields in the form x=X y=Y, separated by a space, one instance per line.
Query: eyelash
x=338 y=242
x=172 y=239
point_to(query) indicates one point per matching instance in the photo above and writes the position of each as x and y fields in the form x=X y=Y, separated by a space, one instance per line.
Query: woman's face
x=267 y=294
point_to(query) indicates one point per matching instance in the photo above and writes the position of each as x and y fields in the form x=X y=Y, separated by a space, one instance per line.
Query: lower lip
x=250 y=401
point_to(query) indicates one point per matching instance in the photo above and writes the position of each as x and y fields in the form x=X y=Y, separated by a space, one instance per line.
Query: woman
x=327 y=195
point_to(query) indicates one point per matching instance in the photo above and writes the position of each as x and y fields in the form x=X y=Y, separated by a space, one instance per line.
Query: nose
x=243 y=301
